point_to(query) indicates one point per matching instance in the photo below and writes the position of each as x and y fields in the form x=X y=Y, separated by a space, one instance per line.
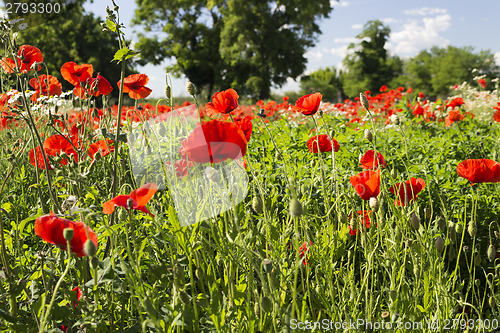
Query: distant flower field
x=380 y=210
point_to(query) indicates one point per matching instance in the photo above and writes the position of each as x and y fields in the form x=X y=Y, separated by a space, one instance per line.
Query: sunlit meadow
x=267 y=217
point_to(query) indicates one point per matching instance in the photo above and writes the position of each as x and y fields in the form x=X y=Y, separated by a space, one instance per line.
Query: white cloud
x=420 y=34
x=335 y=3
x=345 y=40
x=497 y=58
x=314 y=55
x=356 y=26
x=425 y=11
x=389 y=20
x=339 y=51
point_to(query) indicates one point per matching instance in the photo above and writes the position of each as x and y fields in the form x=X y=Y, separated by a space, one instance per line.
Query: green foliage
x=368 y=66
x=434 y=71
x=326 y=81
x=246 y=45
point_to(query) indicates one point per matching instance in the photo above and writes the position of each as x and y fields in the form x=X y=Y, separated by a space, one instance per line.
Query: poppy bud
x=394 y=174
x=257 y=205
x=94 y=263
x=368 y=135
x=295 y=207
x=89 y=248
x=191 y=89
x=267 y=265
x=439 y=244
x=477 y=260
x=395 y=119
x=130 y=203
x=342 y=218
x=472 y=229
x=332 y=134
x=374 y=204
x=451 y=231
x=266 y=304
x=68 y=234
x=168 y=91
x=497 y=235
x=491 y=302
x=491 y=252
x=415 y=221
x=459 y=228
x=364 y=101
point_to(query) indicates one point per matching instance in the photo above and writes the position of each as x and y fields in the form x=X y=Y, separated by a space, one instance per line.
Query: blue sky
x=415 y=25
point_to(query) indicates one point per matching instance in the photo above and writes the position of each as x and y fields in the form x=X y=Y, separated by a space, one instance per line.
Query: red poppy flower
x=496 y=115
x=45 y=85
x=303 y=250
x=384 y=88
x=78 y=295
x=457 y=101
x=482 y=82
x=364 y=215
x=105 y=146
x=367 y=184
x=324 y=143
x=421 y=95
x=418 y=110
x=76 y=74
x=245 y=124
x=140 y=198
x=94 y=86
x=368 y=160
x=56 y=144
x=222 y=102
x=135 y=85
x=29 y=55
x=308 y=104
x=39 y=158
x=181 y=167
x=213 y=142
x=50 y=229
x=406 y=192
x=452 y=117
x=479 y=170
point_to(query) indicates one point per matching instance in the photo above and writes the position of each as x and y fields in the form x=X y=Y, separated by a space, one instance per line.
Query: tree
x=435 y=71
x=248 y=45
x=70 y=35
x=368 y=66
x=326 y=81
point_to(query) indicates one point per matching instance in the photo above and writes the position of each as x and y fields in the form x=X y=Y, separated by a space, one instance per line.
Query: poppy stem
x=46 y=313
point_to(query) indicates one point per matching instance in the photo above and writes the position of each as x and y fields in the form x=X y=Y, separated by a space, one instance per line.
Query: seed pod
x=491 y=252
x=439 y=243
x=257 y=205
x=472 y=229
x=68 y=234
x=295 y=207
x=89 y=248
x=364 y=101
x=415 y=221
x=266 y=303
x=374 y=204
x=368 y=135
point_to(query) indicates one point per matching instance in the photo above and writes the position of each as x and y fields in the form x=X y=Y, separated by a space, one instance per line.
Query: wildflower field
x=380 y=213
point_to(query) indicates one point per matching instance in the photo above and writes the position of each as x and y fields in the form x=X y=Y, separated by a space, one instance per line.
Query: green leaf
x=123 y=54
x=111 y=25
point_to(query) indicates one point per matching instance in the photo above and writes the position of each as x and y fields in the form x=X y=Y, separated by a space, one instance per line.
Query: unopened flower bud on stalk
x=415 y=221
x=368 y=135
x=364 y=101
x=295 y=207
x=491 y=252
x=130 y=203
x=191 y=89
x=257 y=205
x=168 y=91
x=439 y=244
x=472 y=229
x=89 y=248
